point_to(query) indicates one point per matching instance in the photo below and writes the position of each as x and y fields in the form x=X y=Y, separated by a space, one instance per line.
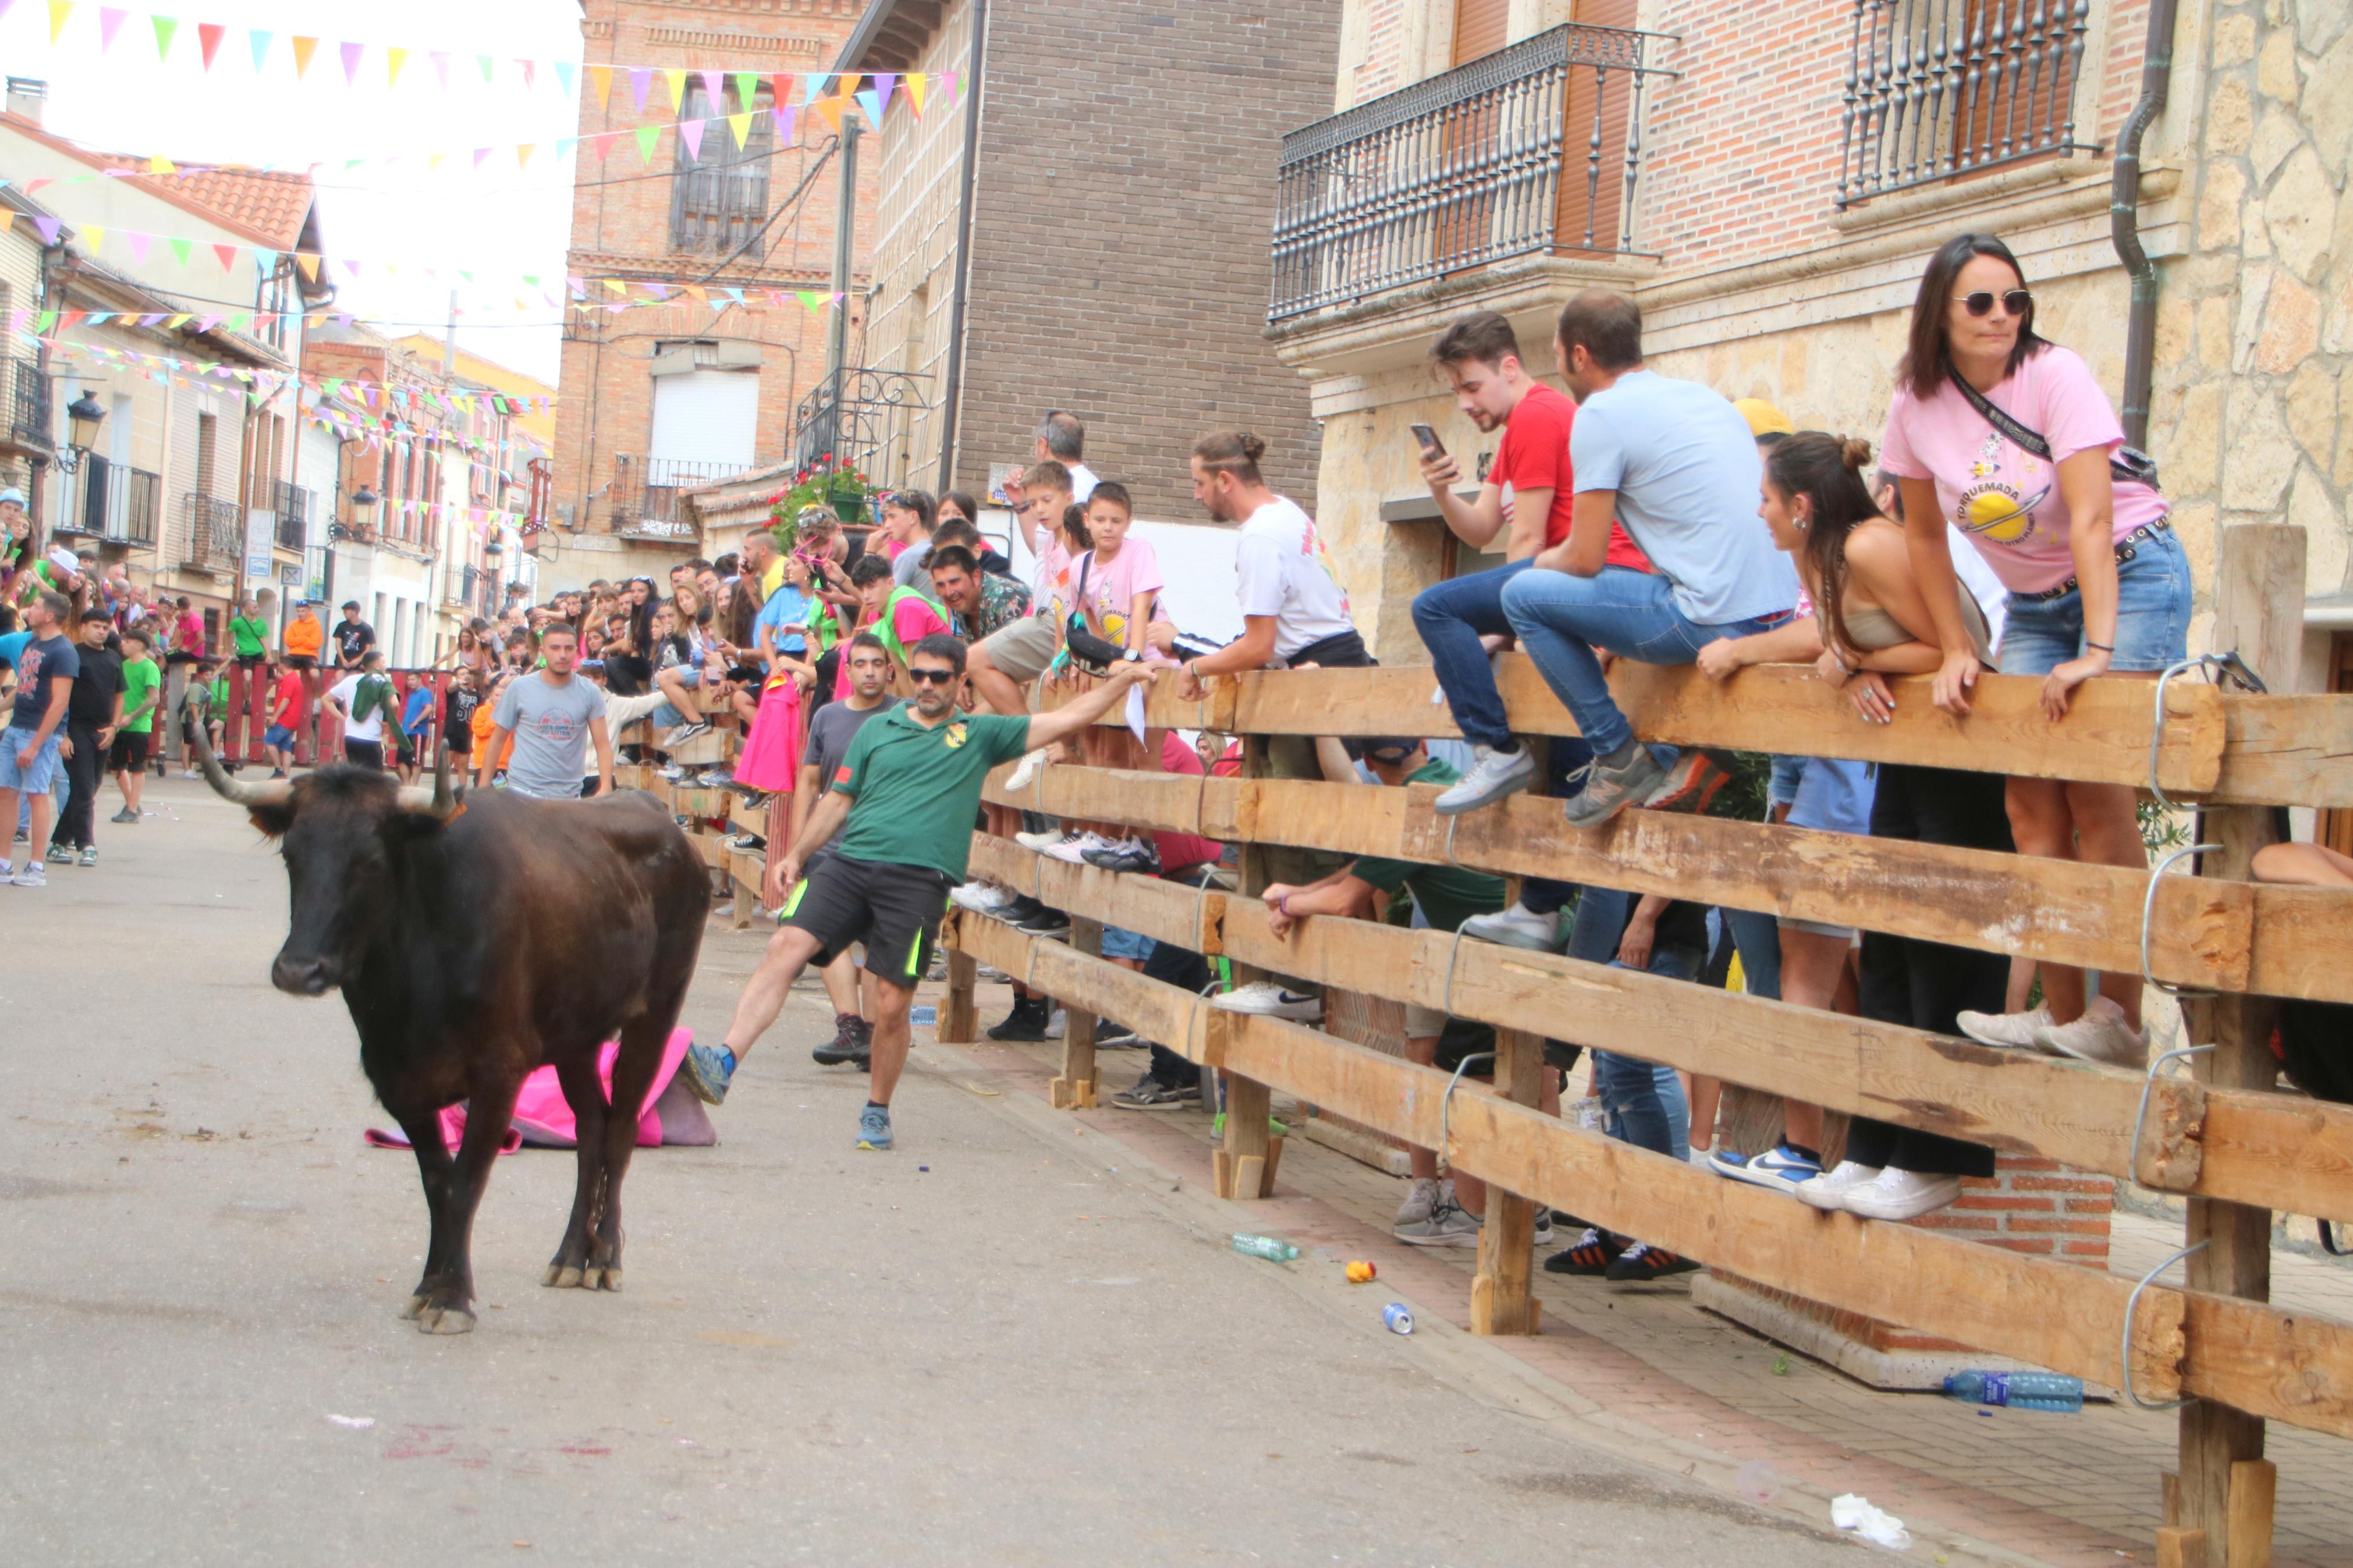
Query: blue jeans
x=1642 y=1104
x=1560 y=620
x=2153 y=607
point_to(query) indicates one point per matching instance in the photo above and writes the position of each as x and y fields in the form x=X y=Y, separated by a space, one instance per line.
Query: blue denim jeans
x=1642 y=1104
x=1560 y=620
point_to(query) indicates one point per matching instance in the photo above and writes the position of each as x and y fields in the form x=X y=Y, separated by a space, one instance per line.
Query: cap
x=1764 y=419
x=64 y=560
x=12 y=494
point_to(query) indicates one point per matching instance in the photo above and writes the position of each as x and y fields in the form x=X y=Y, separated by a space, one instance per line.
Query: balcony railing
x=1534 y=148
x=861 y=418
x=116 y=502
x=1940 y=88
x=643 y=500
x=293 y=515
x=210 y=534
x=27 y=391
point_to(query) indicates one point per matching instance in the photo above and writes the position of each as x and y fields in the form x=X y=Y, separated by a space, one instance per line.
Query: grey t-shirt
x=911 y=570
x=551 y=734
x=831 y=732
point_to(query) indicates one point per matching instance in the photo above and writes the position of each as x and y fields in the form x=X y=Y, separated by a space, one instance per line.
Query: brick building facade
x=659 y=398
x=1122 y=189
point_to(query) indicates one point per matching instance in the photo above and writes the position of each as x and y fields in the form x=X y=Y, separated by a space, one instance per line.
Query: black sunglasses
x=2014 y=301
x=932 y=677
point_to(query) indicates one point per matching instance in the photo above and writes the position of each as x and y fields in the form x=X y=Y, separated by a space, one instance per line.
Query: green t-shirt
x=252 y=635
x=1448 y=895
x=914 y=791
x=140 y=679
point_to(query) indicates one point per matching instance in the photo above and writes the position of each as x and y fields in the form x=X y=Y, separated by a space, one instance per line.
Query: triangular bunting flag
x=695 y=291
x=617 y=286
x=691 y=133
x=563 y=77
x=480 y=153
x=523 y=150
x=810 y=83
x=872 y=104
x=69 y=320
x=47 y=321
x=433 y=163
x=641 y=77
x=530 y=73
x=714 y=99
x=676 y=81
x=646 y=136
x=565 y=145
x=110 y=22
x=59 y=11
x=48 y=227
x=180 y=248
x=488 y=66
x=208 y=38
x=259 y=41
x=352 y=53
x=883 y=83
x=165 y=27
x=741 y=124
x=831 y=108
x=781 y=90
x=601 y=78
x=267 y=261
x=811 y=299
x=227 y=254
x=159 y=164
x=916 y=82
x=94 y=236
x=441 y=58
x=747 y=87
x=786 y=115
x=303 y=49
x=308 y=262
x=948 y=83
x=139 y=243
x=394 y=59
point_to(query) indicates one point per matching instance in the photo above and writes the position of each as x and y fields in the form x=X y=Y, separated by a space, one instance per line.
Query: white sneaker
x=1519 y=926
x=1447 y=1225
x=981 y=898
x=1420 y=1199
x=2101 y=1035
x=1494 y=774
x=1074 y=849
x=2013 y=1030
x=1900 y=1194
x=1828 y=1191
x=1025 y=769
x=1267 y=999
x=1041 y=841
x=1057 y=1024
x=34 y=875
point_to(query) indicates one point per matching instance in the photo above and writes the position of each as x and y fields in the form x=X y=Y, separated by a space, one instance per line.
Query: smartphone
x=1431 y=445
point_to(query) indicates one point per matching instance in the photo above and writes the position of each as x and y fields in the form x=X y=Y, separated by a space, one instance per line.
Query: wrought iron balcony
x=642 y=500
x=115 y=502
x=861 y=418
x=1536 y=148
x=210 y=534
x=28 y=405
x=1940 y=88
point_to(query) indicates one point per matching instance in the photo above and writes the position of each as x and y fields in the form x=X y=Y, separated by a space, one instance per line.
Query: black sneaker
x=1018 y=908
x=1026 y=1022
x=1111 y=1036
x=1590 y=1254
x=849 y=1043
x=1642 y=1261
x=1151 y=1094
x=1045 y=922
x=1136 y=855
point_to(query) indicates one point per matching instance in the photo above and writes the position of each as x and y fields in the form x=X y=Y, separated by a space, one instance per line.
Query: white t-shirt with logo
x=1285 y=571
x=370 y=729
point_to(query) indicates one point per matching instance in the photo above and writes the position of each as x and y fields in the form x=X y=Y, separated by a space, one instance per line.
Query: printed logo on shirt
x=1994 y=506
x=841 y=776
x=558 y=729
x=1311 y=542
x=955 y=736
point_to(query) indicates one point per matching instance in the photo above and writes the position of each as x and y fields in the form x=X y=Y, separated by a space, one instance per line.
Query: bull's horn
x=439 y=802
x=276 y=791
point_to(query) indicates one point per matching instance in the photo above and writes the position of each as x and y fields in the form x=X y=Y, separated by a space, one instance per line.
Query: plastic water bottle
x=2019 y=1390
x=1264 y=1247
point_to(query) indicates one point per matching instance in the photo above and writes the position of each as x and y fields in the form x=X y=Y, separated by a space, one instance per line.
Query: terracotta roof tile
x=268 y=204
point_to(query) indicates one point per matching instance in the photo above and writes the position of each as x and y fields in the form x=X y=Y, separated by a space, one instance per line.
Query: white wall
x=1196 y=561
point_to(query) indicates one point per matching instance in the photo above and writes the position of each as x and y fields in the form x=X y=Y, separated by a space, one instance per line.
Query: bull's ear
x=411 y=827
x=273 y=820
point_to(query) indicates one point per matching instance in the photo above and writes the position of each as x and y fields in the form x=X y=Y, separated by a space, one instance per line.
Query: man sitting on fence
x=1432 y=1214
x=1675 y=462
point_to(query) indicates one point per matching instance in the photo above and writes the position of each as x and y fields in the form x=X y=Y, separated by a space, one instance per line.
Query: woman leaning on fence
x=2006 y=434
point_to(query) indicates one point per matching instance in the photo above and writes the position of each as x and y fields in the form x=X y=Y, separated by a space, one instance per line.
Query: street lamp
x=363 y=508
x=83 y=415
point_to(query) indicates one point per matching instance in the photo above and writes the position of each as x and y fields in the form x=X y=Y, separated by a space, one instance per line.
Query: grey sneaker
x=1494 y=774
x=88 y=856
x=59 y=855
x=1420 y=1199
x=32 y=876
x=1518 y=926
x=708 y=1071
x=875 y=1128
x=1609 y=791
x=2101 y=1035
x=1151 y=1094
x=2014 y=1031
x=1447 y=1225
x=125 y=814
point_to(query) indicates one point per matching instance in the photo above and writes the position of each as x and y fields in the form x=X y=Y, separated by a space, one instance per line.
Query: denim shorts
x=32 y=780
x=278 y=738
x=1118 y=943
x=2152 y=616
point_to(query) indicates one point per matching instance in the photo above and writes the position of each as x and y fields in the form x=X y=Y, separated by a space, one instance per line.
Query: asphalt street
x=1003 y=1343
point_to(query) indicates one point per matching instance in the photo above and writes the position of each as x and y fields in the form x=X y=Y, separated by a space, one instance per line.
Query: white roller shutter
x=706 y=419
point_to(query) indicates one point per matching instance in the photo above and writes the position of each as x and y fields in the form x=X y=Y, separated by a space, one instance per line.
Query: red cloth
x=1178 y=850
x=1535 y=456
x=541 y=1111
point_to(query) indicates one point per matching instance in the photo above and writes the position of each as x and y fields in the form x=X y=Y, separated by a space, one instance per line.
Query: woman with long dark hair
x=2006 y=436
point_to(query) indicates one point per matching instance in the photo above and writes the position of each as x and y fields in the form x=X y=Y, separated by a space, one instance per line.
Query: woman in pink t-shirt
x=2098 y=583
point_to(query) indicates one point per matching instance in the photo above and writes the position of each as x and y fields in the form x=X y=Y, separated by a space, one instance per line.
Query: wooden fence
x=2224 y=1136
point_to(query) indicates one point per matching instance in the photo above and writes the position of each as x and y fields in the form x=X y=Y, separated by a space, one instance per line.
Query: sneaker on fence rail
x=1024 y=771
x=1494 y=774
x=874 y=1127
x=1590 y=1254
x=1828 y=1191
x=1074 y=846
x=1643 y=1261
x=1420 y=1198
x=1691 y=786
x=1448 y=1226
x=683 y=733
x=1900 y=1194
x=1111 y=1036
x=1026 y=1022
x=1780 y=1168
x=2014 y=1031
x=2101 y=1035
x=848 y=1045
x=1044 y=921
x=1520 y=927
x=1151 y=1094
x=1609 y=791
x=1269 y=1000
x=1136 y=855
x=1040 y=842
x=981 y=898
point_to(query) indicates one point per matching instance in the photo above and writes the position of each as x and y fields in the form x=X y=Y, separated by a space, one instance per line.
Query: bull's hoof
x=445 y=1320
x=604 y=1279
x=415 y=1305
x=562 y=1276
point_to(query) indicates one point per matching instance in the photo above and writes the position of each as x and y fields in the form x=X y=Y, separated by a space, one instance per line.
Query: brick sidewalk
x=2079 y=1491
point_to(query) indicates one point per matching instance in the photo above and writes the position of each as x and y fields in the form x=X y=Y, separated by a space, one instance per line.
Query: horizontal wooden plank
x=2285 y=750
x=2061 y=911
x=2272 y=1151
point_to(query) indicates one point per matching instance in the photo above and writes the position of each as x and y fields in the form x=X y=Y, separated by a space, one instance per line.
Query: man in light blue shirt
x=1675 y=462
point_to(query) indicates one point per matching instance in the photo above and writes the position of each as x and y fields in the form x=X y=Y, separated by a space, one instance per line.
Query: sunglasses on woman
x=2014 y=303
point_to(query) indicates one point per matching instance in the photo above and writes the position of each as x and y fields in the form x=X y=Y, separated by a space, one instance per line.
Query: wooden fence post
x=1239 y=1166
x=1075 y=1089
x=1499 y=1299
x=959 y=1022
x=2259 y=612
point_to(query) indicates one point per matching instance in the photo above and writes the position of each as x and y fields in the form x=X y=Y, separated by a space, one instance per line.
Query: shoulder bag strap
x=2126 y=464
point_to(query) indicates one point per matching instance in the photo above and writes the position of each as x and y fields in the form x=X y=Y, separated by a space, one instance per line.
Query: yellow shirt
x=773 y=578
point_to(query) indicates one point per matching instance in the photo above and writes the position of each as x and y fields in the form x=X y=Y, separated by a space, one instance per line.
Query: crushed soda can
x=1360 y=1271
x=1398 y=1317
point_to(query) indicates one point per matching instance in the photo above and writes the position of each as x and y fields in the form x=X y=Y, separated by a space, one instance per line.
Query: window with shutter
x=719 y=193
x=1481 y=27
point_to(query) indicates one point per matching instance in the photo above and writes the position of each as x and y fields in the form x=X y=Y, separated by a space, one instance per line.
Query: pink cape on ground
x=543 y=1120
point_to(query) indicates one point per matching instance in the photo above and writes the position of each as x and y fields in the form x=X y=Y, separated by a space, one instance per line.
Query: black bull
x=474 y=943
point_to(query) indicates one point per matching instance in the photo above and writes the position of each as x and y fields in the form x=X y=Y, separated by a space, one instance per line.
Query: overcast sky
x=500 y=221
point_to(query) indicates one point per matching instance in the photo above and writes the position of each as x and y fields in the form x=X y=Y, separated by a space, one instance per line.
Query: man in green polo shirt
x=909 y=788
x=142 y=685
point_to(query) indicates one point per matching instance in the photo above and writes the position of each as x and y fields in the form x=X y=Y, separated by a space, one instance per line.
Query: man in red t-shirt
x=285 y=719
x=1527 y=501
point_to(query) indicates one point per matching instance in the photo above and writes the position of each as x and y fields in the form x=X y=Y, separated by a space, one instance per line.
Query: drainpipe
x=951 y=379
x=2124 y=221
